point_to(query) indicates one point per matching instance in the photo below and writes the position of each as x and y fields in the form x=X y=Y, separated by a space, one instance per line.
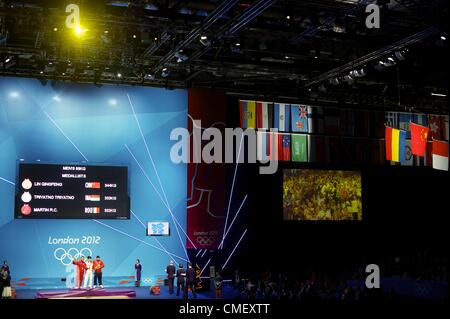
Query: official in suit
x=170 y=270
x=190 y=280
x=181 y=280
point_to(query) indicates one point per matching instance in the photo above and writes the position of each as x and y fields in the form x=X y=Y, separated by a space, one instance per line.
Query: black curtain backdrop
x=404 y=212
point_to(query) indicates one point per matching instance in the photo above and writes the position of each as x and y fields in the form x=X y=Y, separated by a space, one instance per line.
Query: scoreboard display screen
x=72 y=192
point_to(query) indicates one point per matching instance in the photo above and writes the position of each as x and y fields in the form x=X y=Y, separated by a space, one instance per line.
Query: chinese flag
x=419 y=135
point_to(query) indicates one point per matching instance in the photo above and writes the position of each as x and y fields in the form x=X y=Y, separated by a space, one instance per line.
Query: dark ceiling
x=316 y=51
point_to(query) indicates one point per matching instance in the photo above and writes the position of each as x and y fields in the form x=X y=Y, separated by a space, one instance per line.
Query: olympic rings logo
x=205 y=240
x=66 y=257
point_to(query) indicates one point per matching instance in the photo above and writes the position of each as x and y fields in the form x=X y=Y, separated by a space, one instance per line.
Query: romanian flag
x=419 y=135
x=247 y=111
x=395 y=144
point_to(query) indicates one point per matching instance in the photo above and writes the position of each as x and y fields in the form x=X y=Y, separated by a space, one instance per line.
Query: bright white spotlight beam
x=206 y=265
x=226 y=262
x=232 y=189
x=232 y=222
x=177 y=224
x=7 y=181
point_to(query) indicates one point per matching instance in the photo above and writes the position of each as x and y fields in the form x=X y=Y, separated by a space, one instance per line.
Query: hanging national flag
x=395 y=144
x=282 y=117
x=301 y=116
x=419 y=135
x=391 y=119
x=284 y=147
x=264 y=115
x=404 y=119
x=408 y=159
x=440 y=155
x=426 y=159
x=421 y=119
x=264 y=142
x=299 y=148
x=247 y=114
x=445 y=133
x=435 y=124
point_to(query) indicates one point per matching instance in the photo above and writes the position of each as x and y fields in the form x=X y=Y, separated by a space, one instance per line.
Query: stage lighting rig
x=165 y=72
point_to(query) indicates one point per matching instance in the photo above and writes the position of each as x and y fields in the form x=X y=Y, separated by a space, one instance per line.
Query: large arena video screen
x=311 y=194
x=72 y=191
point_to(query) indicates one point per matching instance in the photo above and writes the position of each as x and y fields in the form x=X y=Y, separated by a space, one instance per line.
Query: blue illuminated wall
x=82 y=122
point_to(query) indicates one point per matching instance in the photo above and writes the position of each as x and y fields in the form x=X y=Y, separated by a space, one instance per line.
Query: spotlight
x=165 y=72
x=55 y=29
x=180 y=57
x=349 y=79
x=439 y=94
x=149 y=76
x=389 y=62
x=106 y=31
x=14 y=94
x=288 y=17
x=134 y=36
x=119 y=75
x=287 y=57
x=204 y=40
x=401 y=55
x=334 y=81
x=443 y=37
x=238 y=44
x=7 y=60
x=56 y=98
x=79 y=31
x=380 y=65
x=41 y=72
x=112 y=102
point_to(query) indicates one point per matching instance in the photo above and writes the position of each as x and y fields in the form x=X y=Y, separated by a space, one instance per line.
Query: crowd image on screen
x=321 y=195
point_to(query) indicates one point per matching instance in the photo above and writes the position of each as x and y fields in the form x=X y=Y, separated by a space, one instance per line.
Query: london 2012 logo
x=66 y=256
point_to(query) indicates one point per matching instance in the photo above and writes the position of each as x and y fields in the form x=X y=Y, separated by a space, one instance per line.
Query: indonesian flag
x=440 y=155
x=92 y=198
x=419 y=135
